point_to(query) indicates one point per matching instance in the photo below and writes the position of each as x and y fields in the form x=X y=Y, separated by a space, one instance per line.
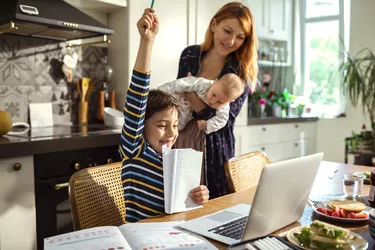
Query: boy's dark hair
x=158 y=101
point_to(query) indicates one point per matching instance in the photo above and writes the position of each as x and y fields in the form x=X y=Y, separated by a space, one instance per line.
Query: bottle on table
x=371 y=196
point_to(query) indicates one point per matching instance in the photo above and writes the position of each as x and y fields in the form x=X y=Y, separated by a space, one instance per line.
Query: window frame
x=342 y=36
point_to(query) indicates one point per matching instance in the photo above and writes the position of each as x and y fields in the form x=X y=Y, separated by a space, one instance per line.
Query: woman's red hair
x=247 y=54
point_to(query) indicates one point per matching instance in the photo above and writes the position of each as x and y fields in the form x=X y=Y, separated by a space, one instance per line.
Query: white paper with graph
x=132 y=236
x=182 y=170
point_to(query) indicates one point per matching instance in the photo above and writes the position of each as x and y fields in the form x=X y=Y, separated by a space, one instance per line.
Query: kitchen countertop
x=58 y=138
x=62 y=138
x=278 y=120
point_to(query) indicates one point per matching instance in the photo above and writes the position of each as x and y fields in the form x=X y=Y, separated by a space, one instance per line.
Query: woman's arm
x=196 y=103
x=235 y=107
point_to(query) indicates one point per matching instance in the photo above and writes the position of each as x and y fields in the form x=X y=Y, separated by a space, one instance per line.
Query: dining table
x=328 y=185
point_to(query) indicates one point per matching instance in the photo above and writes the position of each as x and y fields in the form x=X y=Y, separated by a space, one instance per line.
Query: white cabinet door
x=279 y=16
x=241 y=136
x=205 y=10
x=258 y=10
x=17 y=204
x=283 y=150
x=170 y=41
x=272 y=18
x=242 y=118
x=274 y=133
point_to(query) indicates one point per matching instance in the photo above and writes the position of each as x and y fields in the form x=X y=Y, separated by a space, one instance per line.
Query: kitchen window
x=323 y=40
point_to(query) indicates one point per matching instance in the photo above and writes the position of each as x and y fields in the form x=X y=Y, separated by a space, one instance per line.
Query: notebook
x=157 y=235
x=182 y=172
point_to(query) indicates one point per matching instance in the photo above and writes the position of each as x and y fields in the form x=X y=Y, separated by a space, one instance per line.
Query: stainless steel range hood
x=52 y=19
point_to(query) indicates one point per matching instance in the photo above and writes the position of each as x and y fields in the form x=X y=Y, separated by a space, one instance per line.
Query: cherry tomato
x=322 y=210
x=343 y=213
x=329 y=211
x=352 y=215
x=362 y=215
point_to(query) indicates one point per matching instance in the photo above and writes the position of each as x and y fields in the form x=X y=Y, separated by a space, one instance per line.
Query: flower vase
x=276 y=110
x=262 y=108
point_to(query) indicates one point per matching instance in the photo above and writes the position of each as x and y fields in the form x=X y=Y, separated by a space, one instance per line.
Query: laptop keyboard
x=232 y=229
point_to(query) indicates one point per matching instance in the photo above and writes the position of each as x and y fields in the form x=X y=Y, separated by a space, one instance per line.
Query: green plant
x=358 y=80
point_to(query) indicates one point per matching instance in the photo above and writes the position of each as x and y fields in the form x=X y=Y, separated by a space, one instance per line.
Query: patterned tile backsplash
x=30 y=72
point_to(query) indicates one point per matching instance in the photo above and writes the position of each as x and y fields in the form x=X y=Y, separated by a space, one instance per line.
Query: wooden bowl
x=5 y=122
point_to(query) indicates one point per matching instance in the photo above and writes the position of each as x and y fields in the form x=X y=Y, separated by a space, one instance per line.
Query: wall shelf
x=270 y=63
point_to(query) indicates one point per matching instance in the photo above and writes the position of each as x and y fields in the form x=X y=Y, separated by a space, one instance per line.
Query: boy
x=150 y=121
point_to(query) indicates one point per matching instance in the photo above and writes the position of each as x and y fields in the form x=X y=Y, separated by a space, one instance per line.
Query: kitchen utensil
x=5 y=122
x=83 y=113
x=110 y=101
x=85 y=84
x=84 y=88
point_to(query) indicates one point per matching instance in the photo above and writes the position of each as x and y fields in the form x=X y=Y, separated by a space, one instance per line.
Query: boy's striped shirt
x=142 y=168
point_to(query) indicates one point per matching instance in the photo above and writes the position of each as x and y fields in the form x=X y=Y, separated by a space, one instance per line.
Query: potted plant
x=358 y=80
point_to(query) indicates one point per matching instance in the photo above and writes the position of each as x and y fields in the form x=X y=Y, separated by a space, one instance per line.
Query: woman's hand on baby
x=148 y=24
x=199 y=194
x=202 y=125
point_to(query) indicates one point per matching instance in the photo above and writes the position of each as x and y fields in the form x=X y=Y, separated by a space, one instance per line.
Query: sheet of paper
x=89 y=239
x=41 y=114
x=188 y=176
x=182 y=172
x=162 y=235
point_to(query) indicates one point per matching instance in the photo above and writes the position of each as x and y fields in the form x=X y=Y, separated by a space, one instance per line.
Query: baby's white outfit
x=200 y=86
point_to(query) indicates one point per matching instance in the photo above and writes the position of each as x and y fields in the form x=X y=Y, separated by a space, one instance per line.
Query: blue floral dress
x=220 y=145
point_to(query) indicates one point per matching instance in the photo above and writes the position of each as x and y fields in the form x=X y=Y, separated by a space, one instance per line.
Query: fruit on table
x=5 y=122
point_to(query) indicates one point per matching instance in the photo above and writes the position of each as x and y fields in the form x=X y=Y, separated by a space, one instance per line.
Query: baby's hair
x=158 y=101
x=233 y=85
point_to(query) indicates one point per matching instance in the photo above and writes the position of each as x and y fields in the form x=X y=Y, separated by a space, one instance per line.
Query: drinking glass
x=353 y=185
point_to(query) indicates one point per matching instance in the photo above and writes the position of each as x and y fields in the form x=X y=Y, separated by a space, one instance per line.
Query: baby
x=216 y=94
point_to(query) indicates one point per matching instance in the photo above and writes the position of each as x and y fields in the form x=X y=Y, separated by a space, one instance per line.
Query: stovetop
x=61 y=131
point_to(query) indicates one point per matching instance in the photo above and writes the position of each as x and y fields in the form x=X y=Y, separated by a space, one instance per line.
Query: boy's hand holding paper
x=182 y=175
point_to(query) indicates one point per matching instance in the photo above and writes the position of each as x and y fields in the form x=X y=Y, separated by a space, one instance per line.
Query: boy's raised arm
x=136 y=97
x=148 y=27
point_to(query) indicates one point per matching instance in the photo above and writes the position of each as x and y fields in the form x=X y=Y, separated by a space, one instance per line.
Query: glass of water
x=353 y=185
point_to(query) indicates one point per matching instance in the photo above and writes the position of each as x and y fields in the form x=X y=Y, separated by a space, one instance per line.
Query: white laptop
x=280 y=199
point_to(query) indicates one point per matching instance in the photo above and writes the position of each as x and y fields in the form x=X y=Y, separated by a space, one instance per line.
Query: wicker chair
x=96 y=197
x=243 y=172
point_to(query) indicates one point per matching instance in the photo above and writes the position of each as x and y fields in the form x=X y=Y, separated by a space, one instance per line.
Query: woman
x=230 y=46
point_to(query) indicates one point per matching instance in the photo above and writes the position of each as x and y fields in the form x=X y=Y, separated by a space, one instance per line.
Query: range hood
x=51 y=19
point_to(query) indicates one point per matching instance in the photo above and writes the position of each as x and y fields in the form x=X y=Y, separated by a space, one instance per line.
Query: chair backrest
x=96 y=197
x=243 y=172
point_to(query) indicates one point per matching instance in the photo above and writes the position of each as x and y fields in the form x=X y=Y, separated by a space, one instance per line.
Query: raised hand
x=148 y=24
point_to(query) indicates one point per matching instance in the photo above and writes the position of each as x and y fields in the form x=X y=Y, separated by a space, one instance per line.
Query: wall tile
x=30 y=72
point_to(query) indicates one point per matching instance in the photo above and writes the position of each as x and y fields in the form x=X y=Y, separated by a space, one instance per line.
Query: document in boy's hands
x=132 y=236
x=182 y=172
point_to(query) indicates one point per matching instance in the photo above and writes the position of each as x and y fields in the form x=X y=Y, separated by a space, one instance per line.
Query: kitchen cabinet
x=273 y=18
x=169 y=43
x=279 y=141
x=242 y=118
x=17 y=203
x=204 y=11
x=185 y=25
